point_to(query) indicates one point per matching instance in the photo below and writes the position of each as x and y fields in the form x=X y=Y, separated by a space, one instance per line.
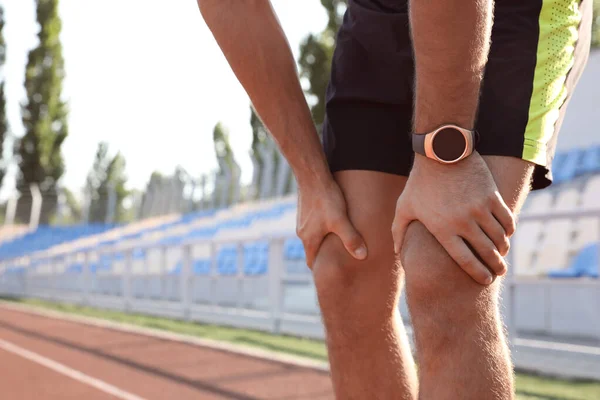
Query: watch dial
x=449 y=144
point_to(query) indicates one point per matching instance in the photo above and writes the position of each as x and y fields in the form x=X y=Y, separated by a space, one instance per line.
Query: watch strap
x=418 y=143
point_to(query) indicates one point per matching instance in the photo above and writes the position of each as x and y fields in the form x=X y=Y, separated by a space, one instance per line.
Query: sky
x=147 y=77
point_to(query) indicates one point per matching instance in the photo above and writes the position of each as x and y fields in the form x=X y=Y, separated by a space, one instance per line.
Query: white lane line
x=546 y=345
x=70 y=372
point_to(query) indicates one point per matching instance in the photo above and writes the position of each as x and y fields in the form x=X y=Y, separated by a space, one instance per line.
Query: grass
x=529 y=387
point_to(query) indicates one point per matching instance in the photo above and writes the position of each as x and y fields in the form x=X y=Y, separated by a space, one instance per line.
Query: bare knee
x=346 y=286
x=438 y=288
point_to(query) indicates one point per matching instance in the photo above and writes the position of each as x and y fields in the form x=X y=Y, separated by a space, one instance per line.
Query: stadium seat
x=591 y=160
x=201 y=266
x=227 y=260
x=527 y=238
x=591 y=193
x=538 y=203
x=585 y=264
x=587 y=230
x=559 y=160
x=553 y=252
x=294 y=257
x=256 y=258
x=45 y=237
x=569 y=167
x=138 y=254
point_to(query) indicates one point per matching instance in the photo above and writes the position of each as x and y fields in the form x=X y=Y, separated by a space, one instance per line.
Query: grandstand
x=243 y=265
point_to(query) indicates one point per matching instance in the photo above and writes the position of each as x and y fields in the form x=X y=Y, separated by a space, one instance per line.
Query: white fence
x=163 y=281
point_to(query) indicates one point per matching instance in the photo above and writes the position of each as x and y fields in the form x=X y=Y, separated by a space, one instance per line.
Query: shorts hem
x=391 y=171
x=535 y=151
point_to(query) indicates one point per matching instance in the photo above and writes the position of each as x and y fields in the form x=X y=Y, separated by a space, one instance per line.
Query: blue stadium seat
x=202 y=233
x=45 y=237
x=293 y=249
x=559 y=160
x=177 y=269
x=170 y=241
x=138 y=254
x=256 y=258
x=591 y=160
x=227 y=260
x=15 y=271
x=567 y=169
x=104 y=264
x=585 y=264
x=201 y=266
x=76 y=268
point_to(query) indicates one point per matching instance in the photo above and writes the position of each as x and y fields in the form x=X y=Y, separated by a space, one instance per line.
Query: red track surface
x=147 y=367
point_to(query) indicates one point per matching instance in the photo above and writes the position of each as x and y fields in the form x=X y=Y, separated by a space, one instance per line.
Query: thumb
x=352 y=240
x=399 y=228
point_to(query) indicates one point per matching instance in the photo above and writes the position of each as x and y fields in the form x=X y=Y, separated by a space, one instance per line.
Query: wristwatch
x=448 y=144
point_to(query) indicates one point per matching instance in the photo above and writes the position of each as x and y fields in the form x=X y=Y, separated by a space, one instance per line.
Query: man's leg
x=461 y=346
x=368 y=347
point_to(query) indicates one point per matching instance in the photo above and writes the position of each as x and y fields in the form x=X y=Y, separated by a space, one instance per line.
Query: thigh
x=514 y=178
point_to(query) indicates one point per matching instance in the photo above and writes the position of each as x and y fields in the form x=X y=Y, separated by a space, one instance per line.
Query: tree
x=259 y=136
x=44 y=113
x=73 y=206
x=596 y=25
x=228 y=167
x=107 y=174
x=155 y=182
x=3 y=122
x=316 y=54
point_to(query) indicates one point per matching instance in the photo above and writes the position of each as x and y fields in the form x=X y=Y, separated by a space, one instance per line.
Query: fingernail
x=396 y=248
x=361 y=252
x=489 y=280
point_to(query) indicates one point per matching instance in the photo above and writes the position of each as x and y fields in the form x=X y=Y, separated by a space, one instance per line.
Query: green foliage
x=107 y=173
x=596 y=25
x=259 y=136
x=316 y=54
x=156 y=179
x=225 y=156
x=259 y=132
x=44 y=113
x=3 y=121
x=73 y=206
x=222 y=147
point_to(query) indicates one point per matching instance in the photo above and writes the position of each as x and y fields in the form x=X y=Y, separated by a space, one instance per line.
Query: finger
x=485 y=249
x=399 y=228
x=504 y=215
x=464 y=257
x=352 y=240
x=495 y=232
x=311 y=247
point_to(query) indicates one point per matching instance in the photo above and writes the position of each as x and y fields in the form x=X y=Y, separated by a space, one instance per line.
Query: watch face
x=449 y=144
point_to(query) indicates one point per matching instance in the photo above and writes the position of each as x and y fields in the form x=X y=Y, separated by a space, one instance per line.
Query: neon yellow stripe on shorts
x=559 y=22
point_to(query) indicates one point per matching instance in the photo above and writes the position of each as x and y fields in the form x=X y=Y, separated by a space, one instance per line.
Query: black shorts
x=538 y=51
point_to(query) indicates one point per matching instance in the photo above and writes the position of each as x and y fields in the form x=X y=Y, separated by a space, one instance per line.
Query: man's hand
x=322 y=210
x=461 y=206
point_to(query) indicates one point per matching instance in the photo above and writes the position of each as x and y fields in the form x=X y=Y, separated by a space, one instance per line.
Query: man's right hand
x=321 y=211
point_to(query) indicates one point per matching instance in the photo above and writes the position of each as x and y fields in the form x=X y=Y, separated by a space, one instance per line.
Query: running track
x=52 y=359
